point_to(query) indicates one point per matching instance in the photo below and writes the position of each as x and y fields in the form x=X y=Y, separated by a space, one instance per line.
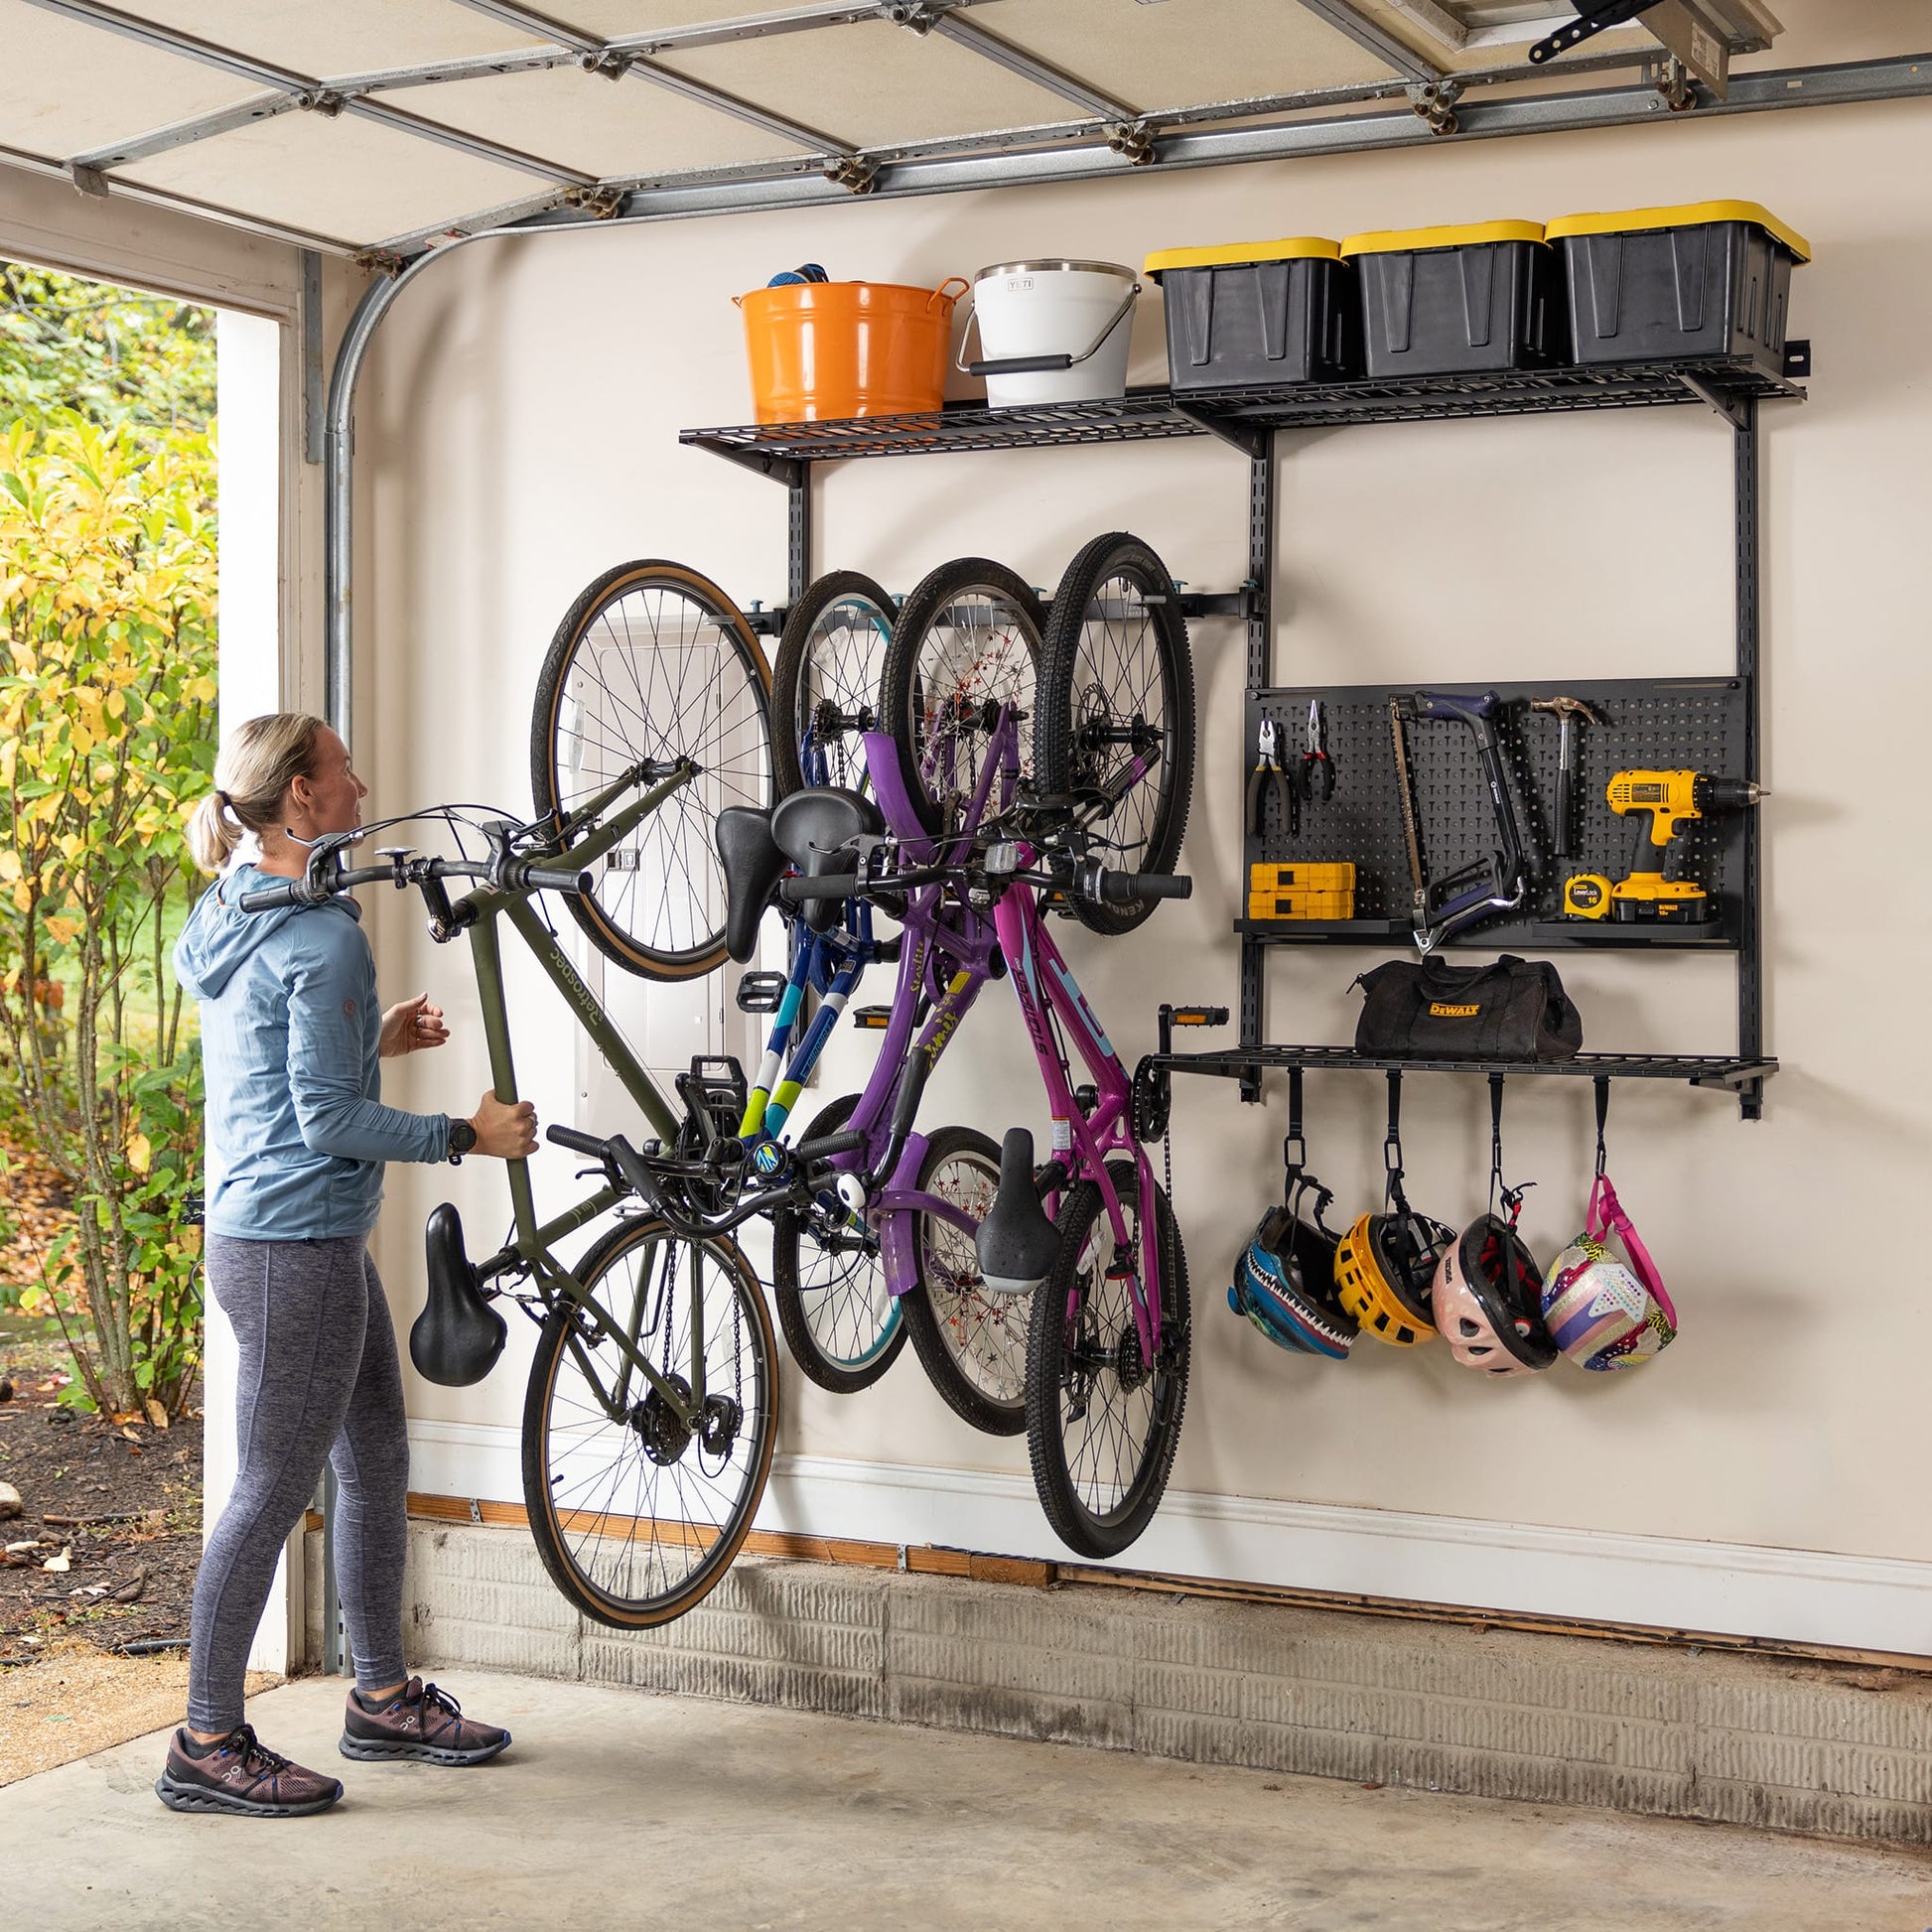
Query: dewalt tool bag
x=1508 y=1009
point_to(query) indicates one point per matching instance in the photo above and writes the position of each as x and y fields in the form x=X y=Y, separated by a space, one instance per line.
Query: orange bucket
x=827 y=349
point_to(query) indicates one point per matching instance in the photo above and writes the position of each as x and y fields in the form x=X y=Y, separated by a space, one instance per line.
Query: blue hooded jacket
x=290 y=1041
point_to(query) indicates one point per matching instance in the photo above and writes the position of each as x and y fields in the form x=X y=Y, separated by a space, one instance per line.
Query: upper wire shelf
x=783 y=450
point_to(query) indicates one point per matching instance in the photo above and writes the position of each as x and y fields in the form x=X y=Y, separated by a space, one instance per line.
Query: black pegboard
x=1661 y=724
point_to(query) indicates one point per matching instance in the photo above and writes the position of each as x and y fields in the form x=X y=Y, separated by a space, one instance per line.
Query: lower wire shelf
x=1698 y=1069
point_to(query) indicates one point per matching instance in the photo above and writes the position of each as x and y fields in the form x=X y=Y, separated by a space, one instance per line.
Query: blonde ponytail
x=259 y=761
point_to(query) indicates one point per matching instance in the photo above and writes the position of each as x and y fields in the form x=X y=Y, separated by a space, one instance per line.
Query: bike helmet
x=1488 y=1300
x=1385 y=1265
x=1283 y=1279
x=1600 y=1312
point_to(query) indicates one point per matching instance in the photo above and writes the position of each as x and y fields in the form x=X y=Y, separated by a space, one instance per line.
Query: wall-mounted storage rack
x=788 y=454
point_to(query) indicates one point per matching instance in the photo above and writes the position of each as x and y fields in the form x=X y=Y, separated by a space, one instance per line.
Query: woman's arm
x=327 y=987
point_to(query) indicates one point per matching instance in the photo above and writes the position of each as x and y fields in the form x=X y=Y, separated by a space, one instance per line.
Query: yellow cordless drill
x=1672 y=798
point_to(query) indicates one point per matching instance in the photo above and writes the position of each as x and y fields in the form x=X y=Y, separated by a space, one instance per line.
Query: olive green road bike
x=652 y=1405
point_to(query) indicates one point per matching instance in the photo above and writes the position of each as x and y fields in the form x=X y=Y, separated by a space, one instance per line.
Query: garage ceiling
x=385 y=125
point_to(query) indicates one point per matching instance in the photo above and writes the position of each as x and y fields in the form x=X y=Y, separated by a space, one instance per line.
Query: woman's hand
x=505 y=1128
x=412 y=1026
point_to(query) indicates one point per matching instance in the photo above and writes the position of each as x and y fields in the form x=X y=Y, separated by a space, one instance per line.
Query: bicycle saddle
x=457 y=1337
x=754 y=864
x=811 y=826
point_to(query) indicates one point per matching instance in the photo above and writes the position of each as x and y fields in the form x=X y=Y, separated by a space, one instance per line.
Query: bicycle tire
x=872 y=1343
x=929 y=663
x=1090 y=1333
x=1105 y=667
x=972 y=1346
x=571 y=1538
x=835 y=661
x=687 y=680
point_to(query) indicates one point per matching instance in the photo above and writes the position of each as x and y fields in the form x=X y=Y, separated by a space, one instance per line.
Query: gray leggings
x=319 y=1381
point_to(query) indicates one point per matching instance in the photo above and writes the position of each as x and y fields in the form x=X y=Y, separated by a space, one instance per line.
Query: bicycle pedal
x=871 y=1020
x=762 y=991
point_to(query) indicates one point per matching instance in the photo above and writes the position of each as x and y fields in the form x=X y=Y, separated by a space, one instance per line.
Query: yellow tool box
x=1302 y=891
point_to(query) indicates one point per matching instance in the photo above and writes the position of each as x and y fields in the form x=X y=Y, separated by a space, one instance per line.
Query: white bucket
x=1074 y=318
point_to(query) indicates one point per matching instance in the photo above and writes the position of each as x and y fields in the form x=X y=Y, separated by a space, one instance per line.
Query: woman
x=291 y=1039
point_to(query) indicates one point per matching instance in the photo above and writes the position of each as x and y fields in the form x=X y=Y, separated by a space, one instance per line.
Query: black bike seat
x=754 y=864
x=812 y=827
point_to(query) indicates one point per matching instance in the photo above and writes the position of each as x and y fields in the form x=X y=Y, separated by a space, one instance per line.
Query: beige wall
x=519 y=423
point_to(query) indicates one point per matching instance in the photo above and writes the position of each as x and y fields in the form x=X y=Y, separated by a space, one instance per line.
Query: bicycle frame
x=1051 y=1004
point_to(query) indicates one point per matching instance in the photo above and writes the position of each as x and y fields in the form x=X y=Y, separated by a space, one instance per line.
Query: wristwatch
x=463 y=1137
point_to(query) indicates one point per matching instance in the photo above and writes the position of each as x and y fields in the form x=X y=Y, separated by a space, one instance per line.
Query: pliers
x=1267 y=776
x=1317 y=778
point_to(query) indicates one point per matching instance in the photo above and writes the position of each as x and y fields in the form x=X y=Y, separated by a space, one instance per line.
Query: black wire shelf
x=782 y=450
x=1699 y=1070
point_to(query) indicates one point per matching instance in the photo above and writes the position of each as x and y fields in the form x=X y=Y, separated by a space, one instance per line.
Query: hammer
x=1568 y=712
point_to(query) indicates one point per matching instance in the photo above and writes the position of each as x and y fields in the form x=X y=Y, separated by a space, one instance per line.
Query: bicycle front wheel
x=967 y=642
x=825 y=685
x=654 y=661
x=637 y=1513
x=971 y=1342
x=1117 y=686
x=838 y=1317
x=1102 y=1421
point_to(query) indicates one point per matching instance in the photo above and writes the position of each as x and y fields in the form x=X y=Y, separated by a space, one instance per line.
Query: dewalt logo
x=1441 y=1010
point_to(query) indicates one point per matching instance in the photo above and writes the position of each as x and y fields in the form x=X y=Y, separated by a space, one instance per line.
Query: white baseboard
x=1665 y=1583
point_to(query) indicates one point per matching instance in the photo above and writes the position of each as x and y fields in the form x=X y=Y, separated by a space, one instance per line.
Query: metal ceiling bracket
x=1133 y=141
x=600 y=204
x=1434 y=103
x=1675 y=85
x=854 y=171
x=87 y=181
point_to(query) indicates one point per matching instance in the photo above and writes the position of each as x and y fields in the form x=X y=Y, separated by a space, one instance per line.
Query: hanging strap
x=1295 y=1150
x=1496 y=1138
x=1606 y=1217
x=1603 y=1084
x=1394 y=1200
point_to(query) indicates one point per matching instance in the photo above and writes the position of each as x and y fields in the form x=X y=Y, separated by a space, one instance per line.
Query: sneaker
x=240 y=1774
x=419 y=1722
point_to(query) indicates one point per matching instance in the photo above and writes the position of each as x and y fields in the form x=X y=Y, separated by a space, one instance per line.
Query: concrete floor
x=665 y=1811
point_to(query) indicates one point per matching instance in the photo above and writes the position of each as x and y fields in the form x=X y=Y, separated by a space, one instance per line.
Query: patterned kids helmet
x=1284 y=1280
x=1488 y=1300
x=1602 y=1312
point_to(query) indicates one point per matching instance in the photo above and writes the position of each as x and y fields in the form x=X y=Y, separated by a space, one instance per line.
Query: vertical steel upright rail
x=1748 y=463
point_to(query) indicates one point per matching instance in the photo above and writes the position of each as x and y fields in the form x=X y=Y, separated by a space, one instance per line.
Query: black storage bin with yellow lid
x=1709 y=279
x=1257 y=313
x=1458 y=300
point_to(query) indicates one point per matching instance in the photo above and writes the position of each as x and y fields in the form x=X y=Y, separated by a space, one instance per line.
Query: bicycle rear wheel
x=970 y=1342
x=1117 y=684
x=825 y=684
x=842 y=1325
x=967 y=642
x=654 y=661
x=634 y=1514
x=1102 y=1421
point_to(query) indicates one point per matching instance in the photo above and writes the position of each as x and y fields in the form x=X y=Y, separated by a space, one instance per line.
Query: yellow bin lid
x=1292 y=248
x=1695 y=215
x=1411 y=241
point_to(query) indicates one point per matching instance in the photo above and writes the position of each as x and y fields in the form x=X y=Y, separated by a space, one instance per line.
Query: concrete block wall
x=1752 y=1740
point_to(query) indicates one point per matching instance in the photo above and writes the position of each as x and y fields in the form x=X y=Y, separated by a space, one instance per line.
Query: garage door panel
x=873 y=84
x=1183 y=52
x=612 y=129
x=351 y=179
x=68 y=90
x=330 y=39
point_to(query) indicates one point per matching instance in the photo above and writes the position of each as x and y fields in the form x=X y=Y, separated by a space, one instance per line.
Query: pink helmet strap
x=1606 y=1217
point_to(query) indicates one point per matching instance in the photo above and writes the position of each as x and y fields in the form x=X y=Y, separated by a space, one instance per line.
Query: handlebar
x=1126 y=887
x=509 y=875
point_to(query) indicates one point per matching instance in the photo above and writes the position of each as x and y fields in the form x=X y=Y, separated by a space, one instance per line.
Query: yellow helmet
x=1384 y=1267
